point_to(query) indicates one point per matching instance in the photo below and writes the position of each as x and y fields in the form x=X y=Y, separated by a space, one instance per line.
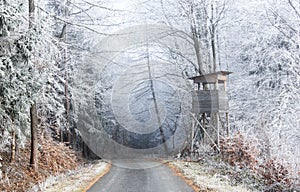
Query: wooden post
x=217 y=85
x=227 y=124
x=218 y=129
x=207 y=134
x=203 y=125
x=193 y=134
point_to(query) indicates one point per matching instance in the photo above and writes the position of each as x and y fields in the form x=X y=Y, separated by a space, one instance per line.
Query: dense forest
x=131 y=61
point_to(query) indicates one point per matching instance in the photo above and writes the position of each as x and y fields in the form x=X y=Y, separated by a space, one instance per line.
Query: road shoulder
x=78 y=180
x=196 y=176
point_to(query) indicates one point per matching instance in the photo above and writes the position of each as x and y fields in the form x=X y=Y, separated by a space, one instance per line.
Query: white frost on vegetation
x=76 y=180
x=206 y=181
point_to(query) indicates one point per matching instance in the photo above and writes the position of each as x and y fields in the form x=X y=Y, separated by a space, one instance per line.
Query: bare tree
x=203 y=18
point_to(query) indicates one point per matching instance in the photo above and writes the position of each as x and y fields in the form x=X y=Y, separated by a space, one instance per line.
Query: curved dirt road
x=140 y=176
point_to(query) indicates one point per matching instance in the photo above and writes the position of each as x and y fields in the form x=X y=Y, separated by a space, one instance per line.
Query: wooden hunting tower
x=210 y=100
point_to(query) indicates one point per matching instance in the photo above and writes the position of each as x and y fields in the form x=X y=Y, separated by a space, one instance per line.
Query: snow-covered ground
x=204 y=180
x=77 y=180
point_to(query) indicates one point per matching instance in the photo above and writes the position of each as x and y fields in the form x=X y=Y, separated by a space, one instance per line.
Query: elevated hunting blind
x=210 y=102
x=210 y=95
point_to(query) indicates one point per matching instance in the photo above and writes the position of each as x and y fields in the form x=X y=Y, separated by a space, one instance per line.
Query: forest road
x=140 y=176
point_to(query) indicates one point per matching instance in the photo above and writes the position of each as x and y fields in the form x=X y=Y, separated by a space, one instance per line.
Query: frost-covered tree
x=74 y=24
x=265 y=87
x=279 y=80
x=200 y=21
x=24 y=61
x=19 y=77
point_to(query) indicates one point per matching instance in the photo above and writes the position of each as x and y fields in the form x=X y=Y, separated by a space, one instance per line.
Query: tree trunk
x=34 y=124
x=31 y=13
x=212 y=38
x=13 y=143
x=155 y=102
x=63 y=38
x=213 y=47
x=197 y=45
x=33 y=110
x=67 y=103
x=198 y=52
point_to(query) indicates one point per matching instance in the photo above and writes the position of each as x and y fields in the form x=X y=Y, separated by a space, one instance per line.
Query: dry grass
x=79 y=180
x=204 y=180
x=54 y=158
x=244 y=153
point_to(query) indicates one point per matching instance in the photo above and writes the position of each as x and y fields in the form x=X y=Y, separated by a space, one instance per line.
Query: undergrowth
x=243 y=161
x=53 y=158
x=245 y=153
